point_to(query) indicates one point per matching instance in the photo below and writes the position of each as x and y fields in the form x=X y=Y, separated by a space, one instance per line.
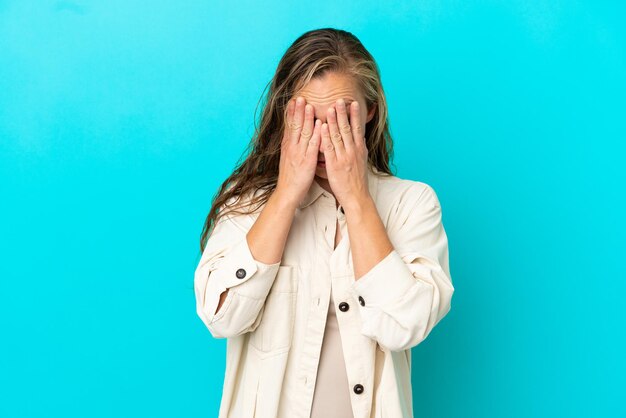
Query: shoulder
x=405 y=204
x=248 y=200
x=403 y=192
x=242 y=210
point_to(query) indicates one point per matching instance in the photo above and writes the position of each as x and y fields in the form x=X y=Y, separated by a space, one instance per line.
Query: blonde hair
x=311 y=55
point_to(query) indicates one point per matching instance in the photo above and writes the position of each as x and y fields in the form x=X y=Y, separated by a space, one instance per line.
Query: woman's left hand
x=343 y=144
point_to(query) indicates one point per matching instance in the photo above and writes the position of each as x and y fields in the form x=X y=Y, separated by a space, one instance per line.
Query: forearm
x=404 y=294
x=369 y=241
x=268 y=235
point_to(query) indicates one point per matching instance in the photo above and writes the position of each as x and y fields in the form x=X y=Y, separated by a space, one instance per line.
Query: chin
x=321 y=172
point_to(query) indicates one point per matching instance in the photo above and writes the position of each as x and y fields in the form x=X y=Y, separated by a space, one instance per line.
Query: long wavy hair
x=313 y=54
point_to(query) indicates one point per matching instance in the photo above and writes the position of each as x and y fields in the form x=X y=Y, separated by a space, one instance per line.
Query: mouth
x=321 y=163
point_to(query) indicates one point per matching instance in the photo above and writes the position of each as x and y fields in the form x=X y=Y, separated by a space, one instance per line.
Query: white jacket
x=274 y=314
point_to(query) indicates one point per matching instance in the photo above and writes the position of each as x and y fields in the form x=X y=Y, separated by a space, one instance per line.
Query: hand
x=299 y=149
x=345 y=153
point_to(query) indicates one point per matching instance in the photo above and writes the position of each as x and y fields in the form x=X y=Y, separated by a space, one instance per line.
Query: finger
x=297 y=120
x=307 y=128
x=355 y=123
x=343 y=125
x=288 y=118
x=314 y=143
x=327 y=146
x=335 y=136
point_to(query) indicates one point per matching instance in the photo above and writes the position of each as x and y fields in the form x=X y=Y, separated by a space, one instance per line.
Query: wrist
x=283 y=200
x=359 y=205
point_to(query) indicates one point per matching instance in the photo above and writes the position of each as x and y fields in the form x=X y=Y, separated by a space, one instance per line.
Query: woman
x=324 y=269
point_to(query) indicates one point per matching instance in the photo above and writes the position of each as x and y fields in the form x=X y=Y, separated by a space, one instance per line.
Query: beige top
x=331 y=398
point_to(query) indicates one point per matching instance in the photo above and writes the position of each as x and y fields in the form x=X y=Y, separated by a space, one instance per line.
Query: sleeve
x=409 y=291
x=227 y=263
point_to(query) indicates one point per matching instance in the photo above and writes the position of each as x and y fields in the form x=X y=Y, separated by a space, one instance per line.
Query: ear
x=370 y=113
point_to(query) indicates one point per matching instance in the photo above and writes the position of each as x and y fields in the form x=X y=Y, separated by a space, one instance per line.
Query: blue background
x=119 y=120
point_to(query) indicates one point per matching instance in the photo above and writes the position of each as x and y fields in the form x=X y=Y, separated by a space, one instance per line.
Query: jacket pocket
x=275 y=331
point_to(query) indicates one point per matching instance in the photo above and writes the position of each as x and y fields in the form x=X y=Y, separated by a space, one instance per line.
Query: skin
x=306 y=141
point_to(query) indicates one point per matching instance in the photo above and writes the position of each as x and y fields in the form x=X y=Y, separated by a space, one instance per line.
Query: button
x=358 y=388
x=361 y=301
x=241 y=273
x=343 y=306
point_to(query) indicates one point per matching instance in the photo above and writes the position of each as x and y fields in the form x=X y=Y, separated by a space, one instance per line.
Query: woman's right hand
x=299 y=150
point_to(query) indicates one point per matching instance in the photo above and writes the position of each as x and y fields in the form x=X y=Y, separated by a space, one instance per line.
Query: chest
x=318 y=242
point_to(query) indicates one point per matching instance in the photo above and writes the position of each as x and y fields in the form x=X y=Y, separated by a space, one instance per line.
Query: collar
x=316 y=190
